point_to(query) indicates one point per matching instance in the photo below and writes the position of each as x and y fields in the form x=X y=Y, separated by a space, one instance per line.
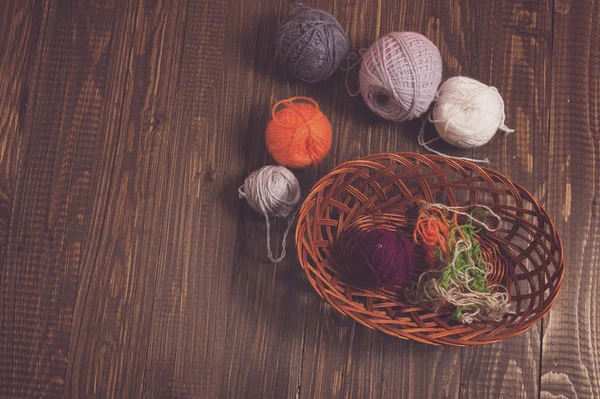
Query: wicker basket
x=384 y=189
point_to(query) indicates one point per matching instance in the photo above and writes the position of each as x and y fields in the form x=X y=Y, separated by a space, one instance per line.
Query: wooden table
x=130 y=268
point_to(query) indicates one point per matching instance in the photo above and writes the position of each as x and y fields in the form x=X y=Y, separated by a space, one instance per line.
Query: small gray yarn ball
x=311 y=44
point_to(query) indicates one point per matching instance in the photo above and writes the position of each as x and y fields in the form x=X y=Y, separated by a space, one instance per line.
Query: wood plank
x=432 y=372
x=265 y=313
x=19 y=32
x=134 y=210
x=199 y=214
x=53 y=197
x=515 y=41
x=342 y=358
x=265 y=334
x=571 y=356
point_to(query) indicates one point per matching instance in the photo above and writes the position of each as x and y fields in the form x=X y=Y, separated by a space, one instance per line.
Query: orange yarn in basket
x=299 y=135
x=432 y=232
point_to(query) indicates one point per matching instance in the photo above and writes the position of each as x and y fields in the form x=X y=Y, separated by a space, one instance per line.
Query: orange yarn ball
x=299 y=135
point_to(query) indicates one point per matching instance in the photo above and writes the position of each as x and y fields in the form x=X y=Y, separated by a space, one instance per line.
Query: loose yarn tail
x=425 y=144
x=272 y=258
x=352 y=61
x=458 y=211
x=291 y=103
x=503 y=127
x=283 y=241
x=300 y=6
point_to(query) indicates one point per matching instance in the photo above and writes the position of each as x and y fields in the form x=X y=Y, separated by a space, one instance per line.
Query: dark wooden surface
x=128 y=266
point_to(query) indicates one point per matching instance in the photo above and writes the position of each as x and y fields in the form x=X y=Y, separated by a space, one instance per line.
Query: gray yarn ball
x=311 y=44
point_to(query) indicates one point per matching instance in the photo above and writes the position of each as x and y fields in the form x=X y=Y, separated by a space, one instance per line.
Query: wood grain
x=514 y=46
x=340 y=358
x=349 y=360
x=265 y=323
x=129 y=267
x=571 y=354
x=52 y=201
x=20 y=25
x=19 y=30
x=128 y=237
x=187 y=341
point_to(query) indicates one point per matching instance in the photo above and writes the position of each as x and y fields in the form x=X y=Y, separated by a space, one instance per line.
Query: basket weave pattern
x=383 y=190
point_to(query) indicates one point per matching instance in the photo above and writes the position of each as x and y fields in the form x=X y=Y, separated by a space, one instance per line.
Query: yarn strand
x=352 y=61
x=457 y=210
x=503 y=127
x=283 y=241
x=425 y=144
x=291 y=102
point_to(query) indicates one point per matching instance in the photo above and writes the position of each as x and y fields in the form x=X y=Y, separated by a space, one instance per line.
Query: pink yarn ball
x=400 y=74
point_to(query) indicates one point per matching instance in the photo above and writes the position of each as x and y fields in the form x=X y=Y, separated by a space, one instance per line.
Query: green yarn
x=464 y=261
x=469 y=263
x=463 y=266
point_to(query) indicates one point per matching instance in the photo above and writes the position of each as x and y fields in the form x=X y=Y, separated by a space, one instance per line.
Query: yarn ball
x=400 y=74
x=271 y=191
x=298 y=134
x=468 y=113
x=312 y=44
x=381 y=258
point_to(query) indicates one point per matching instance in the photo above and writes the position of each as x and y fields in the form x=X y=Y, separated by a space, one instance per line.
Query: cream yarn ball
x=467 y=113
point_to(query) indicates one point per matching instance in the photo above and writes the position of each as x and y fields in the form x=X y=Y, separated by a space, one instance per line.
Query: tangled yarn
x=381 y=258
x=299 y=135
x=400 y=74
x=272 y=191
x=312 y=44
x=432 y=232
x=463 y=281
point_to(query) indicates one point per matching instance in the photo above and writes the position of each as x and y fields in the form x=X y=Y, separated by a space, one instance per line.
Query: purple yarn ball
x=381 y=258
